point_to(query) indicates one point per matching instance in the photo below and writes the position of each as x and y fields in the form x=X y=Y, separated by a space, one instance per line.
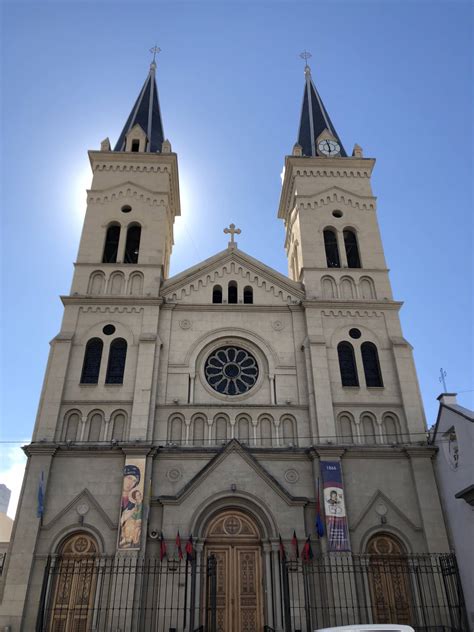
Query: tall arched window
x=370 y=360
x=248 y=294
x=232 y=292
x=288 y=431
x=352 y=250
x=132 y=245
x=116 y=363
x=221 y=429
x=112 y=237
x=266 y=426
x=332 y=251
x=217 y=294
x=243 y=430
x=91 y=364
x=347 y=364
x=198 y=431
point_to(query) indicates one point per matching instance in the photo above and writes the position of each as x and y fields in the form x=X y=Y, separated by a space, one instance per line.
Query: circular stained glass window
x=231 y=370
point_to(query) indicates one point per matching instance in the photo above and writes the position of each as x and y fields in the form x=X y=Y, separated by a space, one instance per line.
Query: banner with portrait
x=334 y=507
x=131 y=504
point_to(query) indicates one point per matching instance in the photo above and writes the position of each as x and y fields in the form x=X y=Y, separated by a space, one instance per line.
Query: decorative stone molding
x=128 y=190
x=340 y=196
x=292 y=476
x=185 y=324
x=278 y=325
x=174 y=474
x=102 y=309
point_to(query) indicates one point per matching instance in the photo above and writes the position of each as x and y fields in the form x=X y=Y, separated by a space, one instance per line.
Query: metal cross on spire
x=442 y=379
x=305 y=55
x=232 y=230
x=155 y=50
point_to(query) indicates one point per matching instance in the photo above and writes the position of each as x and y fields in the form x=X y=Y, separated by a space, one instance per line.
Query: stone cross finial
x=305 y=55
x=232 y=230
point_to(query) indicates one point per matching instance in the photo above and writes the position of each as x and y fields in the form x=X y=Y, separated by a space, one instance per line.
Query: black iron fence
x=423 y=591
x=95 y=594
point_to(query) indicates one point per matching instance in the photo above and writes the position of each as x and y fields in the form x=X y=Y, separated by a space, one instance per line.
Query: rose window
x=231 y=370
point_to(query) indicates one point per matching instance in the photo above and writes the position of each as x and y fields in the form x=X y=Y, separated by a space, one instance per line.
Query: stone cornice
x=228 y=307
x=83 y=299
x=44 y=448
x=353 y=304
x=421 y=451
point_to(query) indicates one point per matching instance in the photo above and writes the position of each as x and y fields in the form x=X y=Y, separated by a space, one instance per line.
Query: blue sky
x=396 y=77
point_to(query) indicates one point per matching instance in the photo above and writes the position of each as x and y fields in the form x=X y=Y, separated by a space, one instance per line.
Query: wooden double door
x=234 y=541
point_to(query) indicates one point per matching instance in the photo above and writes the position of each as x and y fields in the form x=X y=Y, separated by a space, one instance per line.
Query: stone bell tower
x=334 y=248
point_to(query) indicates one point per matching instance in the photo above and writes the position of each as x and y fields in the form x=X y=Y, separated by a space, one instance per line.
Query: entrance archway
x=233 y=538
x=389 y=580
x=75 y=584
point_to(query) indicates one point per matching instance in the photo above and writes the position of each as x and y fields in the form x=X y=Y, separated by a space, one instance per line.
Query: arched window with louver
x=112 y=237
x=232 y=292
x=132 y=245
x=332 y=251
x=370 y=360
x=116 y=363
x=91 y=363
x=352 y=249
x=347 y=364
x=217 y=294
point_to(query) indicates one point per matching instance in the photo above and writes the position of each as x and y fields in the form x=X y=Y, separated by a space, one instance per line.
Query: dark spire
x=146 y=113
x=314 y=118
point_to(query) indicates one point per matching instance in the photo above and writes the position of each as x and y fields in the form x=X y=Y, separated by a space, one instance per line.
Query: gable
x=195 y=285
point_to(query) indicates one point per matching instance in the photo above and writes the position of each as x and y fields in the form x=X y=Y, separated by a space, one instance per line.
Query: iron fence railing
x=95 y=594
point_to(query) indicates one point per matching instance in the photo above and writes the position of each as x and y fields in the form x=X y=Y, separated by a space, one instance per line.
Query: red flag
x=189 y=548
x=307 y=552
x=162 y=546
x=178 y=547
x=294 y=544
x=282 y=549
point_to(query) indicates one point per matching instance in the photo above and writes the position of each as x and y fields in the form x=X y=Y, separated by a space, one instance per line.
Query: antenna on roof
x=442 y=377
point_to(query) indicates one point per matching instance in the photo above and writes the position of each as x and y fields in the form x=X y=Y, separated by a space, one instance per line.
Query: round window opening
x=337 y=213
x=108 y=330
x=355 y=333
x=231 y=370
x=126 y=209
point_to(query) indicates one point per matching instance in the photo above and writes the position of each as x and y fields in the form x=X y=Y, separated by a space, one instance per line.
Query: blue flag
x=40 y=509
x=319 y=523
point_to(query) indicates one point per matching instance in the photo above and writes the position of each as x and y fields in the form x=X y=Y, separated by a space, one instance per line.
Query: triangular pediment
x=217 y=467
x=234 y=263
x=379 y=498
x=83 y=498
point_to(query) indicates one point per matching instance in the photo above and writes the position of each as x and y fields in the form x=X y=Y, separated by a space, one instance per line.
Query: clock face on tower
x=329 y=147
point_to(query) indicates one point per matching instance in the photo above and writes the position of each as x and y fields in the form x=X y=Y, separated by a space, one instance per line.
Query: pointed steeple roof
x=146 y=113
x=314 y=118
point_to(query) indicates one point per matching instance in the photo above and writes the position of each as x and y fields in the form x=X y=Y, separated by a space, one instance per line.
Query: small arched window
x=232 y=292
x=370 y=360
x=352 y=250
x=95 y=427
x=332 y=251
x=198 y=431
x=132 y=245
x=248 y=294
x=118 y=427
x=344 y=429
x=112 y=237
x=72 y=425
x=368 y=430
x=221 y=429
x=91 y=364
x=347 y=364
x=243 y=430
x=135 y=144
x=116 y=363
x=217 y=294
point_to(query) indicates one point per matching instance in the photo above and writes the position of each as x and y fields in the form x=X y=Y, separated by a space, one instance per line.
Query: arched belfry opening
x=233 y=539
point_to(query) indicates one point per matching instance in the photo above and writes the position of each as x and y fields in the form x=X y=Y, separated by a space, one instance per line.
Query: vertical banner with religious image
x=334 y=507
x=131 y=504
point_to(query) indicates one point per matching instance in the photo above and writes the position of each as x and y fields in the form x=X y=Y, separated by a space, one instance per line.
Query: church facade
x=228 y=447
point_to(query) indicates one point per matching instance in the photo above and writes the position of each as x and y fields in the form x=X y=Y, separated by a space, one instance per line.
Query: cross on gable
x=232 y=230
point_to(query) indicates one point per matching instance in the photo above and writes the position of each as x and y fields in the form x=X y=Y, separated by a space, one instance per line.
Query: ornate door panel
x=389 y=581
x=75 y=584
x=232 y=539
